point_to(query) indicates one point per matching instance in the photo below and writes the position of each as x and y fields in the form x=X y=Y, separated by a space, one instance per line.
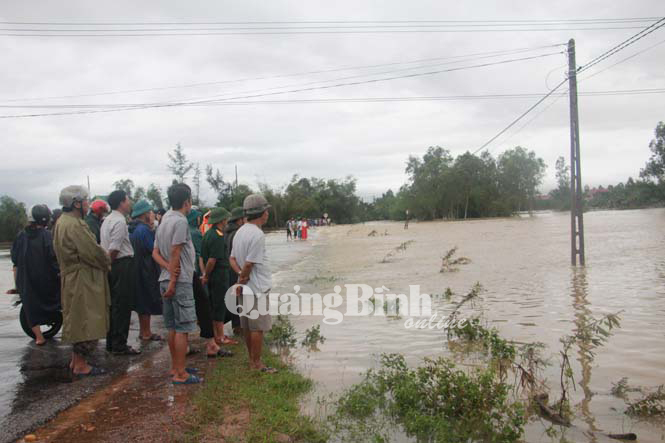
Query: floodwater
x=532 y=294
x=36 y=383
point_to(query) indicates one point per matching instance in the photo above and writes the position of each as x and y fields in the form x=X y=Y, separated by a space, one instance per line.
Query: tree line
x=438 y=185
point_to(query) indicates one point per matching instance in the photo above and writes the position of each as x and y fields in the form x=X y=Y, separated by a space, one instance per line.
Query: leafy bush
x=434 y=402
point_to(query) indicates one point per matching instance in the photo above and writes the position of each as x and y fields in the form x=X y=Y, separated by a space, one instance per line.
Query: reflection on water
x=531 y=295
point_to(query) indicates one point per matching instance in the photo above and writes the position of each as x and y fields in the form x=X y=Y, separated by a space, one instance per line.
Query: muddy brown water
x=531 y=294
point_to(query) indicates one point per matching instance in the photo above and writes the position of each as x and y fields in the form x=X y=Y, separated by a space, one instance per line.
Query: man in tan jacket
x=84 y=268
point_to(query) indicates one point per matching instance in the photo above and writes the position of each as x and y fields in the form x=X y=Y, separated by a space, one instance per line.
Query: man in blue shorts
x=174 y=251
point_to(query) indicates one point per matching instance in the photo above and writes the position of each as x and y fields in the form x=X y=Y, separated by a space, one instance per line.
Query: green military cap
x=218 y=215
x=236 y=213
x=140 y=208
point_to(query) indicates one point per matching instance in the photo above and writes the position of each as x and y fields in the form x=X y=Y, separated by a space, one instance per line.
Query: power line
x=521 y=116
x=640 y=35
x=463 y=57
x=623 y=60
x=646 y=31
x=211 y=100
x=14 y=33
x=155 y=23
x=565 y=93
x=520 y=96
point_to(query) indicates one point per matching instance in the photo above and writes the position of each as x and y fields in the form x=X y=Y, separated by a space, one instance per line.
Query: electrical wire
x=313 y=88
x=463 y=57
x=286 y=32
x=520 y=96
x=631 y=40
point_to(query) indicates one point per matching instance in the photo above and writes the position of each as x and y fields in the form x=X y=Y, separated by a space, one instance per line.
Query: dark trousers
x=235 y=318
x=203 y=308
x=122 y=280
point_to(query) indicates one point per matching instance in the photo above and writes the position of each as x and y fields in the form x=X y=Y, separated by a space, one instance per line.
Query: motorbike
x=49 y=330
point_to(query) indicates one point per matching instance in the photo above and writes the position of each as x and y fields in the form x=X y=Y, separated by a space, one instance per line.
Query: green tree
x=13 y=218
x=139 y=193
x=127 y=185
x=154 y=195
x=655 y=167
x=178 y=164
x=520 y=174
x=561 y=195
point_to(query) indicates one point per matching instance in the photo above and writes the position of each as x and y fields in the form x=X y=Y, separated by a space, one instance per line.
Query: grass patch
x=269 y=403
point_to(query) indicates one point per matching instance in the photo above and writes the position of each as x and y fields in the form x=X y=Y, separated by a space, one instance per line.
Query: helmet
x=72 y=194
x=99 y=207
x=255 y=204
x=141 y=207
x=218 y=215
x=39 y=215
x=236 y=213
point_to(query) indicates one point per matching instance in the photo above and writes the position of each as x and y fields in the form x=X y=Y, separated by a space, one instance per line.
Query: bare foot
x=39 y=342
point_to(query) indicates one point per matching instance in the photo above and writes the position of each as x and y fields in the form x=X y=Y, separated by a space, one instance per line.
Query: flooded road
x=531 y=295
x=36 y=381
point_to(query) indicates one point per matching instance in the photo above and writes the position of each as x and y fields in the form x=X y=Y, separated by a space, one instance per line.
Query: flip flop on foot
x=269 y=370
x=228 y=341
x=221 y=353
x=153 y=337
x=191 y=380
x=192 y=371
x=127 y=351
x=94 y=370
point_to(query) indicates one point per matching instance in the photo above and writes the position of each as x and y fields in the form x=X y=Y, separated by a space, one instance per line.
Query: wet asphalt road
x=36 y=381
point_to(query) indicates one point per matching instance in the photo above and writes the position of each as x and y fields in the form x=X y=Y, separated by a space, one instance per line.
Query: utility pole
x=236 y=178
x=576 y=216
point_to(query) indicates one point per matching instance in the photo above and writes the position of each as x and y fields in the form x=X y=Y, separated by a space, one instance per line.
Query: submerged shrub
x=435 y=402
x=313 y=337
x=282 y=334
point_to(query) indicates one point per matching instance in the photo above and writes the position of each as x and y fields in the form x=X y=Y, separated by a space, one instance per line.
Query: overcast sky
x=272 y=142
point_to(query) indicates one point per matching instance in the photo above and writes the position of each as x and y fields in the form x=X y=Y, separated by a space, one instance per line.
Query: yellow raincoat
x=84 y=267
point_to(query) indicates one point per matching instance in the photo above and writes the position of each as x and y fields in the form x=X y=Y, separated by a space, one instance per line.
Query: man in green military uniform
x=84 y=267
x=216 y=272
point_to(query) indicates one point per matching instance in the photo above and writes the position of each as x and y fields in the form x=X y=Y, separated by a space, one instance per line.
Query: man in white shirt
x=248 y=259
x=114 y=237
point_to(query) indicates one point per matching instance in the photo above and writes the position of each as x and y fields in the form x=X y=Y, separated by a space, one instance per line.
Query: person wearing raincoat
x=84 y=268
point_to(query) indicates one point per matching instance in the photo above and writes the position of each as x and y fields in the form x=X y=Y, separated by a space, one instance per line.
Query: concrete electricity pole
x=576 y=216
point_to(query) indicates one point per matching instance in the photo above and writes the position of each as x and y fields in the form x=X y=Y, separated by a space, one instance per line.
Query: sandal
x=94 y=370
x=127 y=351
x=228 y=341
x=153 y=337
x=269 y=370
x=221 y=353
x=191 y=380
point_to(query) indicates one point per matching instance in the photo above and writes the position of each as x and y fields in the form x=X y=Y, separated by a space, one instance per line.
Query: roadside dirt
x=141 y=406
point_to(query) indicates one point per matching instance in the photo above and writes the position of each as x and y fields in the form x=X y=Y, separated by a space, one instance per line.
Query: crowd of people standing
x=102 y=260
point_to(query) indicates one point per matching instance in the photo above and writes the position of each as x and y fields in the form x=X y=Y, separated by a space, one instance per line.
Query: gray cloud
x=270 y=143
